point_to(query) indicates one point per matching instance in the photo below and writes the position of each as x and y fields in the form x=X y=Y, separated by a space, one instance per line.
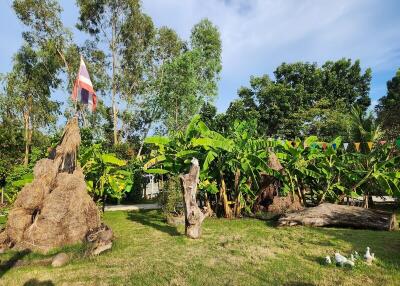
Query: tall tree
x=45 y=29
x=11 y=135
x=29 y=86
x=191 y=78
x=127 y=33
x=305 y=99
x=388 y=108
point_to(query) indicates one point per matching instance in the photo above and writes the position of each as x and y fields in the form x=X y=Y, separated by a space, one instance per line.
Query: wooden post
x=193 y=215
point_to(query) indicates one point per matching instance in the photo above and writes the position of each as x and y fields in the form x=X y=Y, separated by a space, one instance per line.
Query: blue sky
x=258 y=35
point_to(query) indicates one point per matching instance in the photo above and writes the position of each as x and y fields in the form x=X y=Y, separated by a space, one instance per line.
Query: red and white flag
x=84 y=87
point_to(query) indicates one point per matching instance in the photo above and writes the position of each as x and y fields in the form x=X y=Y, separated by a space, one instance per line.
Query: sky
x=258 y=35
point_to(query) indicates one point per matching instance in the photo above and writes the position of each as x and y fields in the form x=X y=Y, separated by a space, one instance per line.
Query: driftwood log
x=193 y=215
x=341 y=216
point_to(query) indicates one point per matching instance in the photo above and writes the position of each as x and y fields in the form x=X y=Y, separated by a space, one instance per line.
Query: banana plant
x=239 y=158
x=105 y=174
x=374 y=173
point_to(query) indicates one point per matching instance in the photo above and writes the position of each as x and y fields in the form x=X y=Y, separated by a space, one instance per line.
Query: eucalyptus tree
x=127 y=34
x=191 y=78
x=29 y=87
x=45 y=29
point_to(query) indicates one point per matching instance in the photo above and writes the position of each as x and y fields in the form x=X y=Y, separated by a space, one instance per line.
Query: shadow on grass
x=10 y=263
x=153 y=219
x=35 y=282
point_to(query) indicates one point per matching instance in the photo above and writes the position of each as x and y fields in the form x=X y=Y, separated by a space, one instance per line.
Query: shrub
x=170 y=199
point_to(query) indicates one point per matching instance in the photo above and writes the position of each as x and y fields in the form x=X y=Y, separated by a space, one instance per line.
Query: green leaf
x=154 y=161
x=156 y=171
x=112 y=159
x=211 y=155
x=158 y=140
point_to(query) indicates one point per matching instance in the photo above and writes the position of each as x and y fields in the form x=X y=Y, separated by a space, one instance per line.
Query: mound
x=55 y=209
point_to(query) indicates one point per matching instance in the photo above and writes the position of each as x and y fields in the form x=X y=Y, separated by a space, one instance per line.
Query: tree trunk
x=238 y=206
x=341 y=216
x=193 y=215
x=114 y=88
x=28 y=131
x=224 y=198
x=207 y=203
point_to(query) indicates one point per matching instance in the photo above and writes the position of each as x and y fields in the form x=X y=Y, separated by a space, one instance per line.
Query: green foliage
x=105 y=174
x=191 y=77
x=170 y=198
x=314 y=171
x=16 y=180
x=303 y=99
x=222 y=159
x=388 y=108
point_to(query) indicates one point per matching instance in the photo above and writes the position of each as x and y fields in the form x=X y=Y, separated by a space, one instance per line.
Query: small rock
x=60 y=260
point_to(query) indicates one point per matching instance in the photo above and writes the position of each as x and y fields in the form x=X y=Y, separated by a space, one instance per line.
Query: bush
x=170 y=199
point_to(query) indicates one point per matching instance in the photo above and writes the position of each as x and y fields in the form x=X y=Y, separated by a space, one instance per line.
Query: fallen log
x=341 y=216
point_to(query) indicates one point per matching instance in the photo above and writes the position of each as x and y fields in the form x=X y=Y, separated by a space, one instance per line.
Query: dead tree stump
x=341 y=216
x=193 y=215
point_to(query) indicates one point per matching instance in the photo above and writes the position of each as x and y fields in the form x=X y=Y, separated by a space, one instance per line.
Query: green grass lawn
x=147 y=251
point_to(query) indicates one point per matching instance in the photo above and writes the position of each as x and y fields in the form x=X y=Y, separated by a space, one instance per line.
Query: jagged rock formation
x=55 y=209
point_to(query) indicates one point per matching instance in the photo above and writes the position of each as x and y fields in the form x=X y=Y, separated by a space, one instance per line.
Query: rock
x=60 y=260
x=99 y=239
x=101 y=247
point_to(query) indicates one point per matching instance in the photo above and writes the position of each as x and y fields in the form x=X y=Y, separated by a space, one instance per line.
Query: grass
x=147 y=251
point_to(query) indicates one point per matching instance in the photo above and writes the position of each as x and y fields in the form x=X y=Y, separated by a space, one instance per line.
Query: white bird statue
x=328 y=259
x=368 y=257
x=356 y=255
x=341 y=260
x=349 y=262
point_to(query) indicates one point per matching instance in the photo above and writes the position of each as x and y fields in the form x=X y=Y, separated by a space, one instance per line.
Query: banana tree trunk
x=238 y=206
x=193 y=215
x=207 y=203
x=224 y=199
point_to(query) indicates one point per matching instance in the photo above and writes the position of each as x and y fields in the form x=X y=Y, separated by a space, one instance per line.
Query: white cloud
x=259 y=35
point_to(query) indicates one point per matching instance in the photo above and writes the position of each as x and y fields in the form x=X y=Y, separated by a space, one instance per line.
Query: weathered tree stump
x=193 y=215
x=341 y=216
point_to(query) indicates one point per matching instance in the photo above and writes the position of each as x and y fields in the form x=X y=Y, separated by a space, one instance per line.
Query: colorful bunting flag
x=324 y=145
x=370 y=145
x=357 y=145
x=345 y=145
x=398 y=142
x=382 y=142
x=334 y=146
